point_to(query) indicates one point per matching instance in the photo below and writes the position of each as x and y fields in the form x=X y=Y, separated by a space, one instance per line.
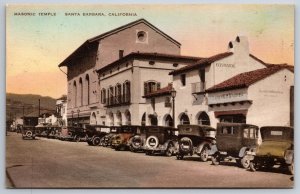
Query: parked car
x=107 y=139
x=160 y=140
x=77 y=133
x=233 y=140
x=277 y=147
x=52 y=131
x=28 y=132
x=66 y=134
x=195 y=139
x=42 y=129
x=122 y=140
x=95 y=133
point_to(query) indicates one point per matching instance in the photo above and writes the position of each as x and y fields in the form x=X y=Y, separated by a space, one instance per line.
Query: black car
x=28 y=132
x=159 y=139
x=195 y=139
x=95 y=133
x=77 y=133
x=107 y=139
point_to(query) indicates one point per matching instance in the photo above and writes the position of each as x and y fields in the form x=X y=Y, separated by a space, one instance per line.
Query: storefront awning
x=231 y=112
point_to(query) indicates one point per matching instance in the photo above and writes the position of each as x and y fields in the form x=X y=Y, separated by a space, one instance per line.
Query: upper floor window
x=183 y=79
x=121 y=53
x=151 y=86
x=103 y=96
x=202 y=75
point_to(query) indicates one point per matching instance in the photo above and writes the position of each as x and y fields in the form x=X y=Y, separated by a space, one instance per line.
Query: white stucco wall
x=271 y=100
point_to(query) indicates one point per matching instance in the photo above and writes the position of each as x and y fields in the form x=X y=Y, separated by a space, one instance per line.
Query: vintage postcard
x=150 y=96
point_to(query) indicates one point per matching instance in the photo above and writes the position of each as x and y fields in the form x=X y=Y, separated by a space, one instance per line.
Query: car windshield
x=228 y=130
x=250 y=133
x=154 y=130
x=126 y=130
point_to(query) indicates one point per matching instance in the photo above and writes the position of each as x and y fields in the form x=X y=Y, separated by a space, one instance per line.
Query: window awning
x=231 y=112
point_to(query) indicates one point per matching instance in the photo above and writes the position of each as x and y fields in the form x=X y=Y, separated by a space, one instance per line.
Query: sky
x=35 y=45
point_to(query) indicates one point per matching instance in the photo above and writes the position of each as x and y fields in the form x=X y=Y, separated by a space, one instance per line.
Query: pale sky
x=37 y=44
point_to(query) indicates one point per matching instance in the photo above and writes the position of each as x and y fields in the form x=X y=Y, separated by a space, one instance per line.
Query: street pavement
x=51 y=163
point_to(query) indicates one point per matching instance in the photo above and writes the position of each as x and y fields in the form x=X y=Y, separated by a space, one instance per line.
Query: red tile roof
x=244 y=79
x=289 y=67
x=201 y=62
x=163 y=91
x=150 y=56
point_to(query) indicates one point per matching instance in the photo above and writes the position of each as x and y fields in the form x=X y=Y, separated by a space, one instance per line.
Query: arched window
x=126 y=92
x=128 y=117
x=87 y=80
x=184 y=119
x=103 y=96
x=74 y=94
x=81 y=92
x=143 y=122
x=203 y=119
x=153 y=120
x=168 y=121
x=93 y=119
x=118 y=93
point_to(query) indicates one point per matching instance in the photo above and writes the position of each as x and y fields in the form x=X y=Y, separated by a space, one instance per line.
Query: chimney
x=240 y=48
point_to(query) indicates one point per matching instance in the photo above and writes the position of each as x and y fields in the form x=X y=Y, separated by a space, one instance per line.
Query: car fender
x=289 y=156
x=201 y=146
x=213 y=150
x=242 y=152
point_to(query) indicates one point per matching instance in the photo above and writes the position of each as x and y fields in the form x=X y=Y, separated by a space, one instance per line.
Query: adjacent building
x=125 y=77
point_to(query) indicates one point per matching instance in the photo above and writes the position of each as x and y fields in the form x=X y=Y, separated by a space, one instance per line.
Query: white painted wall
x=271 y=100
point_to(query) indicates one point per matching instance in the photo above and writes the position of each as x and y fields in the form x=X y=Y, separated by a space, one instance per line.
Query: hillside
x=15 y=103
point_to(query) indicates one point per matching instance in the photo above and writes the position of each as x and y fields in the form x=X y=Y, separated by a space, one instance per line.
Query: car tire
x=291 y=168
x=148 y=141
x=215 y=159
x=179 y=156
x=253 y=166
x=96 y=141
x=204 y=154
x=28 y=134
x=245 y=163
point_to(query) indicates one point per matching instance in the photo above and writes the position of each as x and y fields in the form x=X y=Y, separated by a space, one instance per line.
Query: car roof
x=206 y=127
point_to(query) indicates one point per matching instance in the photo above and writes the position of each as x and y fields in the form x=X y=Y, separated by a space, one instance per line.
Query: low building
x=61 y=111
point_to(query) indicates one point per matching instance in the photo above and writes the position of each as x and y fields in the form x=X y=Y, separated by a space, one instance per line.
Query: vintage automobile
x=28 y=132
x=195 y=139
x=159 y=139
x=95 y=133
x=277 y=147
x=41 y=130
x=122 y=140
x=107 y=139
x=52 y=131
x=233 y=140
x=66 y=134
x=77 y=133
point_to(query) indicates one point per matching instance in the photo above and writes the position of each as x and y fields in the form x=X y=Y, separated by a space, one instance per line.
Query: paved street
x=50 y=163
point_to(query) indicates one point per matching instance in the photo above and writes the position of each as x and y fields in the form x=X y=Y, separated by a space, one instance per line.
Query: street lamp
x=72 y=117
x=173 y=94
x=78 y=111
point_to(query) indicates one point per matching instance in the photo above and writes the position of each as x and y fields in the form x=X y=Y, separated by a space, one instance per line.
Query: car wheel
x=169 y=151
x=28 y=134
x=204 y=154
x=89 y=143
x=179 y=157
x=253 y=166
x=77 y=138
x=245 y=162
x=96 y=141
x=291 y=168
x=215 y=159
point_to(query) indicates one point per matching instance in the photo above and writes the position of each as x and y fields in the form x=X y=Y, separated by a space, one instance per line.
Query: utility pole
x=39 y=107
x=23 y=111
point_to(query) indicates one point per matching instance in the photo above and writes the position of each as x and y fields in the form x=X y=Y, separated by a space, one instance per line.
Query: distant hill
x=15 y=103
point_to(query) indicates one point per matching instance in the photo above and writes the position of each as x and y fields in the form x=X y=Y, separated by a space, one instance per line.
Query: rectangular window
x=121 y=53
x=202 y=75
x=182 y=79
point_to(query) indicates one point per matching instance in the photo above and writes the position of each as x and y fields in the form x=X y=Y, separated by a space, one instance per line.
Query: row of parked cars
x=250 y=146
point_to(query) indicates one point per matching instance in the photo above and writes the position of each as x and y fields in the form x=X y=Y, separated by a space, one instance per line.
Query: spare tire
x=152 y=141
x=186 y=144
x=136 y=142
x=28 y=134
